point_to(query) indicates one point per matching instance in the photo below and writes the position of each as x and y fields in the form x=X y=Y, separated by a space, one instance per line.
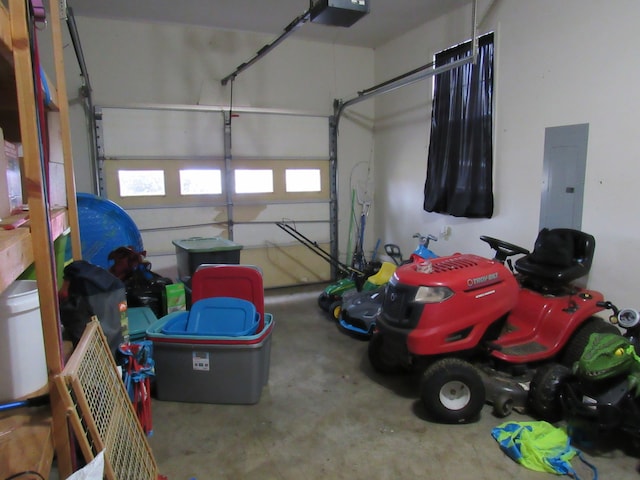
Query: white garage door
x=168 y=169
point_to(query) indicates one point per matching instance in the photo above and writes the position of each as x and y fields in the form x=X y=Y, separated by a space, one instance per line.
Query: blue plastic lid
x=222 y=316
x=172 y=327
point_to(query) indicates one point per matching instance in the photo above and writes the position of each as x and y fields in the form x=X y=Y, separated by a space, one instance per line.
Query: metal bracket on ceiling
x=343 y=14
x=288 y=30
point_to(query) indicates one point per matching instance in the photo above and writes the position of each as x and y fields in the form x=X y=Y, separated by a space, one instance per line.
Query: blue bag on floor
x=538 y=446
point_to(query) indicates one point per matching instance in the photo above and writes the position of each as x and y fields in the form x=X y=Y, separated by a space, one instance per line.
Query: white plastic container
x=23 y=367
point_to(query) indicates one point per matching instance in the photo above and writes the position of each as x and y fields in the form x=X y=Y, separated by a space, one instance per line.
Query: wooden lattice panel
x=100 y=411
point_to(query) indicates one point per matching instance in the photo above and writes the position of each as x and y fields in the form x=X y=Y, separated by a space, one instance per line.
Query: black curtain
x=459 y=170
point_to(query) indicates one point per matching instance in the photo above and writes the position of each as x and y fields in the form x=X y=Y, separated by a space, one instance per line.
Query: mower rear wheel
x=577 y=343
x=324 y=301
x=544 y=391
x=379 y=358
x=452 y=391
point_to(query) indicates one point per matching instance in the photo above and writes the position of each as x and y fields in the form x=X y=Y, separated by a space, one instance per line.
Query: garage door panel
x=160 y=242
x=170 y=218
x=156 y=243
x=272 y=136
x=281 y=212
x=137 y=132
x=287 y=265
x=270 y=233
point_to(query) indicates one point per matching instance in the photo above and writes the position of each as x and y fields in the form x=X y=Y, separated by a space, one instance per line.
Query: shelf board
x=28 y=444
x=59 y=221
x=16 y=254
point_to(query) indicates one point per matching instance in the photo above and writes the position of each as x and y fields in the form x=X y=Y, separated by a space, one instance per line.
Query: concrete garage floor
x=326 y=414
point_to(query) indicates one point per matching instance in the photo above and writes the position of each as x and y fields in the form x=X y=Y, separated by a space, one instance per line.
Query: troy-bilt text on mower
x=479 y=330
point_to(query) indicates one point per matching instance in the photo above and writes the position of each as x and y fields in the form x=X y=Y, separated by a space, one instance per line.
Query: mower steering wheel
x=503 y=249
x=394 y=252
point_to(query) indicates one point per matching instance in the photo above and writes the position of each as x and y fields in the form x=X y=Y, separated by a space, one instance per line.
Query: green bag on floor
x=538 y=446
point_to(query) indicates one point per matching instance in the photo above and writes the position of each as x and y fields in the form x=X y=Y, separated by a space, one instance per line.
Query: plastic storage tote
x=192 y=252
x=211 y=369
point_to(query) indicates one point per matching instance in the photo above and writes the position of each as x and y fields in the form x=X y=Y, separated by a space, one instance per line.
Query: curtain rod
x=405 y=81
x=413 y=76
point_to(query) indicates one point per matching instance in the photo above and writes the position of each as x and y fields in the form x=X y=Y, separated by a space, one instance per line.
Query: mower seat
x=381 y=277
x=560 y=256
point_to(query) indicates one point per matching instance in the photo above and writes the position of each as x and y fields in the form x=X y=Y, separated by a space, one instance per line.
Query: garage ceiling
x=387 y=18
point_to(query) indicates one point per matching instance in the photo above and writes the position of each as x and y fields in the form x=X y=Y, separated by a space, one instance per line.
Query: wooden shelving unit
x=37 y=431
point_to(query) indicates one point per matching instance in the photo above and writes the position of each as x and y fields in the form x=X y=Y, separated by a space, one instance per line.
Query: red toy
x=479 y=330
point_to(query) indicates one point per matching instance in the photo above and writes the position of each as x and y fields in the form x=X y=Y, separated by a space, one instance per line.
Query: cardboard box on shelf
x=4 y=189
x=14 y=178
x=56 y=181
x=10 y=179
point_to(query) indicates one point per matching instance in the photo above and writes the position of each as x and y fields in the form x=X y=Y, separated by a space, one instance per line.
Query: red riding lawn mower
x=478 y=330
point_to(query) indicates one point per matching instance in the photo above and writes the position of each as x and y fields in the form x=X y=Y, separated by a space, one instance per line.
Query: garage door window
x=253 y=181
x=141 y=183
x=200 y=182
x=302 y=180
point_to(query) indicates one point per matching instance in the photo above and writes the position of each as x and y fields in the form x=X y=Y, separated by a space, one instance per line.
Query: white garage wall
x=557 y=63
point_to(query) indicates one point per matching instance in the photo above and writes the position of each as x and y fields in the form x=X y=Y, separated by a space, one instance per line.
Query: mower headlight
x=432 y=294
x=628 y=318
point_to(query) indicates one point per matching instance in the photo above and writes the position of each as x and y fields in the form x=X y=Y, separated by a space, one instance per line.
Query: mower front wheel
x=503 y=405
x=452 y=391
x=544 y=391
x=336 y=309
x=379 y=358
